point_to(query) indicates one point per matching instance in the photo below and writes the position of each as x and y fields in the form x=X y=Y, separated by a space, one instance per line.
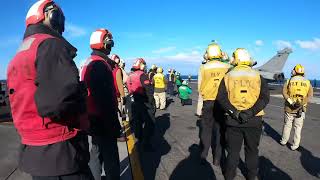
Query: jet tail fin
x=277 y=62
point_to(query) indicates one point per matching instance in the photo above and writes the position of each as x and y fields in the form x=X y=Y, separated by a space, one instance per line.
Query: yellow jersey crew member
x=297 y=91
x=159 y=82
x=211 y=75
x=243 y=94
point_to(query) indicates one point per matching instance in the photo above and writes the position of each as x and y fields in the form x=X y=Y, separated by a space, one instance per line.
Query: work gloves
x=245 y=115
x=294 y=105
x=234 y=114
x=241 y=116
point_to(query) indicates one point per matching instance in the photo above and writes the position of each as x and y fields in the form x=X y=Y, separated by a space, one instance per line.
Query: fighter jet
x=272 y=70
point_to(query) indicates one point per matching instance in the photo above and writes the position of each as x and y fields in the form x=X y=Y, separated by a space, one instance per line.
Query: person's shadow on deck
x=168 y=102
x=267 y=170
x=269 y=131
x=309 y=162
x=151 y=160
x=191 y=168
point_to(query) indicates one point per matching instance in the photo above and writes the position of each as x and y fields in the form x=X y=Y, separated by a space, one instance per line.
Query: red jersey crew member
x=243 y=94
x=143 y=106
x=47 y=100
x=102 y=106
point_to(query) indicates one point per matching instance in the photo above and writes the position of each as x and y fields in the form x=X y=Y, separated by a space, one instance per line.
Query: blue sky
x=175 y=33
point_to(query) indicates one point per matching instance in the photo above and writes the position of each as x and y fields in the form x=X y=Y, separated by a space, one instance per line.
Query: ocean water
x=315 y=83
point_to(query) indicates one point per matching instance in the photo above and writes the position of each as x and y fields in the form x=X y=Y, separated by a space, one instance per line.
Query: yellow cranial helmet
x=242 y=57
x=159 y=70
x=298 y=69
x=213 y=51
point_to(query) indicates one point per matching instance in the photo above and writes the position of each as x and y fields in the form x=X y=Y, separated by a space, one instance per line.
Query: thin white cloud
x=189 y=57
x=310 y=45
x=259 y=43
x=281 y=44
x=164 y=50
x=74 y=31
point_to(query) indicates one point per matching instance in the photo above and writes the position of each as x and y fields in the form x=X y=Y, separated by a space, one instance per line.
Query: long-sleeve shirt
x=59 y=93
x=184 y=92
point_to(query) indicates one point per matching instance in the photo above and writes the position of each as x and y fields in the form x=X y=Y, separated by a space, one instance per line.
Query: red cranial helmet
x=100 y=39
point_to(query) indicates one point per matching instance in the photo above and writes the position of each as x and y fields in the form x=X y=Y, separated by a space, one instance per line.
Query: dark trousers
x=105 y=151
x=212 y=132
x=65 y=160
x=170 y=88
x=207 y=123
x=186 y=102
x=143 y=120
x=219 y=143
x=235 y=136
x=75 y=176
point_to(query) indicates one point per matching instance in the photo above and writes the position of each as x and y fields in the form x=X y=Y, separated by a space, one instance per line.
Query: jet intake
x=278 y=77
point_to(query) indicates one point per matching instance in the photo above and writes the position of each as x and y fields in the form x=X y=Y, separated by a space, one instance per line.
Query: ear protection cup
x=56 y=19
x=108 y=43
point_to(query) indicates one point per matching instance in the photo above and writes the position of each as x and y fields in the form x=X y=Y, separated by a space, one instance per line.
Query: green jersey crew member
x=178 y=80
x=184 y=93
x=243 y=94
x=297 y=92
